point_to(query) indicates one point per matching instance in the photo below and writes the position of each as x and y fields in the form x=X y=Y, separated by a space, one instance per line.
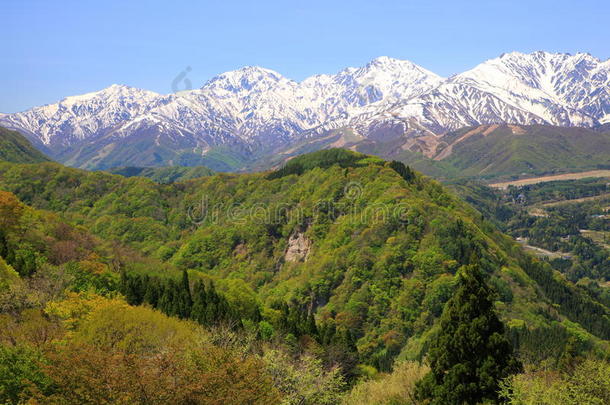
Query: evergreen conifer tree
x=471 y=353
x=184 y=300
x=200 y=302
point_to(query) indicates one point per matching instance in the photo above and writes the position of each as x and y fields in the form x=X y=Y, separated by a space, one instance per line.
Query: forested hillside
x=512 y=151
x=563 y=222
x=15 y=148
x=308 y=281
x=164 y=175
x=489 y=152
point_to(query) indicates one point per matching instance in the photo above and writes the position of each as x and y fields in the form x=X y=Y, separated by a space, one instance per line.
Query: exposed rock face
x=298 y=248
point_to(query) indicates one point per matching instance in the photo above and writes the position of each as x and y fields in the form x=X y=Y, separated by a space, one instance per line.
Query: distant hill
x=510 y=151
x=438 y=169
x=15 y=148
x=485 y=152
x=164 y=175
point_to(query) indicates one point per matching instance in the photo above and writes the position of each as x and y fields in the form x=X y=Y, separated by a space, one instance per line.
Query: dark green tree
x=185 y=301
x=154 y=291
x=312 y=329
x=132 y=287
x=200 y=302
x=167 y=301
x=3 y=244
x=404 y=171
x=471 y=353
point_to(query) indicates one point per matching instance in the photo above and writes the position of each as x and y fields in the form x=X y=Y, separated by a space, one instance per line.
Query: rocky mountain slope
x=252 y=114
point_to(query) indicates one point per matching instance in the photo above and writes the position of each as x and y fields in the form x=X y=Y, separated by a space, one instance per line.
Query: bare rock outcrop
x=298 y=248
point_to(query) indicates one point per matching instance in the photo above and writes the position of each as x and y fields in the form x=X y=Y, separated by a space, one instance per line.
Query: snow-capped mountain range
x=253 y=112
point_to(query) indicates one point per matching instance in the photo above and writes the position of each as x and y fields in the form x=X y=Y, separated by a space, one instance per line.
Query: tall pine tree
x=200 y=303
x=471 y=353
x=184 y=300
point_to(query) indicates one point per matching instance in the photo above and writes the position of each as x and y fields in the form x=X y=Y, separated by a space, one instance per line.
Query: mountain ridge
x=260 y=112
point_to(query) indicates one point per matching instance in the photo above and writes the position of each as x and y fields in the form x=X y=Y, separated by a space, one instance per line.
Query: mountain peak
x=385 y=60
x=112 y=92
x=257 y=107
x=544 y=55
x=246 y=78
x=388 y=63
x=255 y=70
x=532 y=64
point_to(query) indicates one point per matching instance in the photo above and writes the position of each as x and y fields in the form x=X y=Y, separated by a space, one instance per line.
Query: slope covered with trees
x=512 y=151
x=15 y=148
x=164 y=175
x=341 y=261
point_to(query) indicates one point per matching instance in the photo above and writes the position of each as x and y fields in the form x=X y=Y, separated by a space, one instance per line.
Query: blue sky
x=55 y=49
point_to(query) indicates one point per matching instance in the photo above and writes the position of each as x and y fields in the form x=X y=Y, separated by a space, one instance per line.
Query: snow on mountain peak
x=545 y=83
x=386 y=61
x=254 y=105
x=540 y=87
x=112 y=93
x=245 y=79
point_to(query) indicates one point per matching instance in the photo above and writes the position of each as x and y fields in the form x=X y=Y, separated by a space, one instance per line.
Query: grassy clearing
x=599 y=237
x=544 y=179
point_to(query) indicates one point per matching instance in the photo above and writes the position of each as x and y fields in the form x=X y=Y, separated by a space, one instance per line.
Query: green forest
x=338 y=278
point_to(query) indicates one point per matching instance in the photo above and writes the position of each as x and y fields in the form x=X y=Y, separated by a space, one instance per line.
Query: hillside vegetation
x=511 y=151
x=490 y=152
x=15 y=148
x=164 y=175
x=331 y=269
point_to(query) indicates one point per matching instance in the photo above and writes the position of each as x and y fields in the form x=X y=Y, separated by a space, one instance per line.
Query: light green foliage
x=265 y=330
x=91 y=275
x=304 y=381
x=36 y=240
x=587 y=384
x=164 y=175
x=8 y=275
x=241 y=297
x=21 y=373
x=396 y=388
x=112 y=324
x=323 y=159
x=437 y=294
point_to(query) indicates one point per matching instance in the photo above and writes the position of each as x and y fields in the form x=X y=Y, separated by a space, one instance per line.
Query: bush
x=20 y=373
x=587 y=384
x=390 y=389
x=303 y=381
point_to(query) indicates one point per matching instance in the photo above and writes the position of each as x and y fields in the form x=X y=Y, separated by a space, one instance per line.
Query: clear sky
x=53 y=49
